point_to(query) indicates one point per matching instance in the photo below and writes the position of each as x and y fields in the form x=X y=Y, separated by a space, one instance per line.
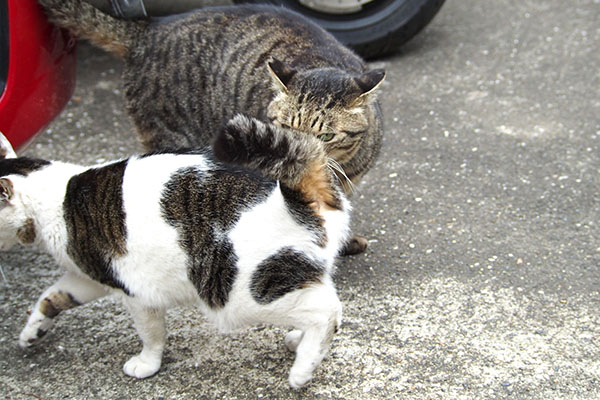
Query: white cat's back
x=155 y=266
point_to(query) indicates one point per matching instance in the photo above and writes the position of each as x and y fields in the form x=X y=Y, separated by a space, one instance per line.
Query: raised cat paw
x=139 y=368
x=33 y=332
x=298 y=379
x=292 y=339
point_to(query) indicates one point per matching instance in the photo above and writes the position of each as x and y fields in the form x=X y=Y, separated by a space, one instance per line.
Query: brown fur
x=56 y=302
x=317 y=187
x=27 y=233
x=6 y=188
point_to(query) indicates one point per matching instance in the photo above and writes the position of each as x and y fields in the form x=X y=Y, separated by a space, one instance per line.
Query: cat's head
x=15 y=225
x=326 y=102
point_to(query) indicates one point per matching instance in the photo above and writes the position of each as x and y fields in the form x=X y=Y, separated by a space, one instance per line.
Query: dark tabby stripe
x=21 y=165
x=203 y=206
x=95 y=219
x=282 y=273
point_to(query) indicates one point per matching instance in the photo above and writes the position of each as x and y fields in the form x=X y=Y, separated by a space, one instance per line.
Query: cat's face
x=12 y=218
x=327 y=103
x=13 y=221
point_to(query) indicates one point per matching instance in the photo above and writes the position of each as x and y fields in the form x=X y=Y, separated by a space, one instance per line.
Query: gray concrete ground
x=483 y=212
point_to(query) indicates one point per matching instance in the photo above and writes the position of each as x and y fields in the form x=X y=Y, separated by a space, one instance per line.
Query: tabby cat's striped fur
x=186 y=75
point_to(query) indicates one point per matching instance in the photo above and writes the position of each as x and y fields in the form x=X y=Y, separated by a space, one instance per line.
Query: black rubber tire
x=378 y=29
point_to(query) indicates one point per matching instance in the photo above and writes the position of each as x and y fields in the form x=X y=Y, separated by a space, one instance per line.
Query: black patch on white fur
x=95 y=219
x=303 y=213
x=282 y=273
x=203 y=207
x=40 y=334
x=274 y=152
x=21 y=165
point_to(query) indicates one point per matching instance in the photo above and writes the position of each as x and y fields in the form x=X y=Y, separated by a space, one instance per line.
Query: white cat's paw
x=298 y=379
x=33 y=332
x=292 y=339
x=141 y=368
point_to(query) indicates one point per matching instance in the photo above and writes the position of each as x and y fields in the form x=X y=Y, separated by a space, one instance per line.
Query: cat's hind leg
x=317 y=317
x=71 y=290
x=150 y=325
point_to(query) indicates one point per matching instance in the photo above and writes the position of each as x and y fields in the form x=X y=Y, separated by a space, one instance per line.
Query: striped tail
x=296 y=159
x=87 y=22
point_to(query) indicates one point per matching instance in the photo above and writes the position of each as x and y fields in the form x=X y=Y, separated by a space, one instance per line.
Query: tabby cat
x=249 y=246
x=186 y=75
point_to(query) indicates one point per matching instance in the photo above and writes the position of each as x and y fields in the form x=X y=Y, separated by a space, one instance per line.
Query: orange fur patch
x=26 y=234
x=317 y=187
x=109 y=45
x=56 y=302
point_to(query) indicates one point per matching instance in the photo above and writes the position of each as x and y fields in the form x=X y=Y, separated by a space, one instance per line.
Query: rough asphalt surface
x=481 y=280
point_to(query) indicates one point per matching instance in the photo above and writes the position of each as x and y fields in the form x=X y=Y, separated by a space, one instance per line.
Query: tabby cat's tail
x=296 y=159
x=87 y=22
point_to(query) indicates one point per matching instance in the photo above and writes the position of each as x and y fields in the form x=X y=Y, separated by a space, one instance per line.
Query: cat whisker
x=3 y=276
x=344 y=181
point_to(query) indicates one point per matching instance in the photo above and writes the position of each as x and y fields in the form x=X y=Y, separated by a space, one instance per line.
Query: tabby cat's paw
x=140 y=368
x=356 y=245
x=292 y=339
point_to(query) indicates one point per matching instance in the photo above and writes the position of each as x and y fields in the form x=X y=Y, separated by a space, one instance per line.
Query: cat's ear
x=281 y=73
x=368 y=84
x=6 y=191
x=6 y=150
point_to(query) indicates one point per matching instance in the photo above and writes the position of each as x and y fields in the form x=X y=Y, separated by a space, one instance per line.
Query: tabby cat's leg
x=71 y=290
x=150 y=325
x=355 y=245
x=318 y=315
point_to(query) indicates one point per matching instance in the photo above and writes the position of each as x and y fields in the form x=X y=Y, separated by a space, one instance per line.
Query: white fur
x=6 y=146
x=154 y=268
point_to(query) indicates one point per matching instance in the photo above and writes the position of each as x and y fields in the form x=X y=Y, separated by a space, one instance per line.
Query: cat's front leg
x=150 y=325
x=69 y=291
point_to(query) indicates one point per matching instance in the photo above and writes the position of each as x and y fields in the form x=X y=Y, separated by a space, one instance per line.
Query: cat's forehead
x=324 y=85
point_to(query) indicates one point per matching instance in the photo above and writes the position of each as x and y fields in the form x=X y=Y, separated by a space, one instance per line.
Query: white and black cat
x=252 y=240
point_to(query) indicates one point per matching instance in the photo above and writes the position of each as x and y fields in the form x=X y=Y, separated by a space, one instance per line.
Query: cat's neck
x=43 y=195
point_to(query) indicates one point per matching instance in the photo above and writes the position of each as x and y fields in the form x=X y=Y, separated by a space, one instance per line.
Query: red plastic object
x=41 y=72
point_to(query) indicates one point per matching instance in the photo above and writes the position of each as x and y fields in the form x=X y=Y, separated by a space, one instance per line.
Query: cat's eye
x=326 y=137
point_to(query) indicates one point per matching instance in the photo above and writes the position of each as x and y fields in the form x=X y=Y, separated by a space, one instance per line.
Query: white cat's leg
x=293 y=338
x=150 y=325
x=71 y=290
x=319 y=315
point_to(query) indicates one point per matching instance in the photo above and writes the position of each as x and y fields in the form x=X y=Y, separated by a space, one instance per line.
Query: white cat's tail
x=294 y=158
